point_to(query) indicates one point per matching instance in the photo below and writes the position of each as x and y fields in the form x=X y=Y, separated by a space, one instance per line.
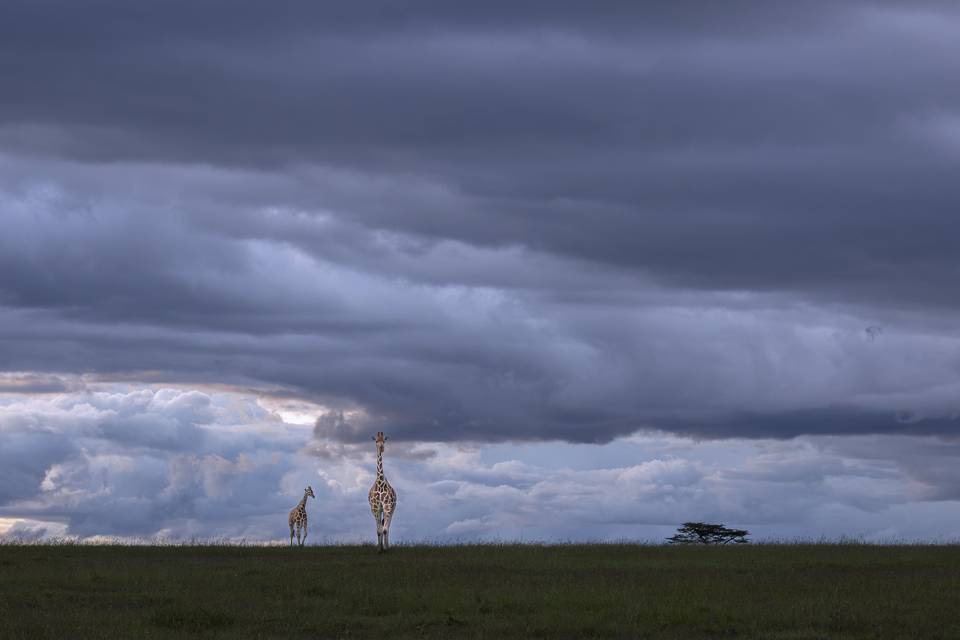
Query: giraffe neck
x=379 y=465
x=303 y=501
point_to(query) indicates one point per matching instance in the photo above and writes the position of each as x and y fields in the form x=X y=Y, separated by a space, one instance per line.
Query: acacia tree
x=705 y=533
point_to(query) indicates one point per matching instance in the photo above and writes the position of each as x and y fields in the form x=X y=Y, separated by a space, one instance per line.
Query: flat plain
x=789 y=591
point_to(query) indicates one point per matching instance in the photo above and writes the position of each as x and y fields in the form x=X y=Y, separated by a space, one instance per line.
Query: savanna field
x=481 y=591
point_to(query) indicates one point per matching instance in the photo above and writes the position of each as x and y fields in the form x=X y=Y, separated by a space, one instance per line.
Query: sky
x=596 y=269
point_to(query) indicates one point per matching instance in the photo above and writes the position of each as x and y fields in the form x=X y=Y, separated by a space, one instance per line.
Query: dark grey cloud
x=931 y=463
x=25 y=459
x=826 y=420
x=37 y=383
x=523 y=221
x=760 y=146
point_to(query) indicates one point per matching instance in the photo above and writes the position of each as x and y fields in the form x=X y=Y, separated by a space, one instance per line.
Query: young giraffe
x=298 y=517
x=383 y=499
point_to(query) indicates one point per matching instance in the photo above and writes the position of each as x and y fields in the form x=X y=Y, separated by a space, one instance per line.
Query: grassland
x=486 y=591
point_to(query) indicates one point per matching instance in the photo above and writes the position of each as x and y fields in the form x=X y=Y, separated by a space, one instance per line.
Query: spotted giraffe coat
x=382 y=498
x=298 y=517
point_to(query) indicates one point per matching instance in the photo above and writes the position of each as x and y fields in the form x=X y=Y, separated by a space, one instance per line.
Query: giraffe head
x=380 y=439
x=309 y=492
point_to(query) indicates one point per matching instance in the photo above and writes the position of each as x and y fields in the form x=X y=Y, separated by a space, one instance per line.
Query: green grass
x=490 y=591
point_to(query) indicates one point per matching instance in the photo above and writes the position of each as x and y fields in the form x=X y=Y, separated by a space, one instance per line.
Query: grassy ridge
x=775 y=591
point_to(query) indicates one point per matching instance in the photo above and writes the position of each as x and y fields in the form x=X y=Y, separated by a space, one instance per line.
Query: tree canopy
x=706 y=533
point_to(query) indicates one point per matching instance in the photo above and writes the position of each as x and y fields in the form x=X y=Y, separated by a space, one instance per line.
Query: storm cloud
x=504 y=223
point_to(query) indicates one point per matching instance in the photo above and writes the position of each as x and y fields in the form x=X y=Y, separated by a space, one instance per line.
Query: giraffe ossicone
x=298 y=517
x=383 y=499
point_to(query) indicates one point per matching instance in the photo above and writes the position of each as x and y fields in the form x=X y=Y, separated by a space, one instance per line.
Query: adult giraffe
x=383 y=499
x=298 y=517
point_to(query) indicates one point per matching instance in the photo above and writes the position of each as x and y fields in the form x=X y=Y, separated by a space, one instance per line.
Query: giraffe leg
x=304 y=533
x=387 y=517
x=291 y=535
x=376 y=518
